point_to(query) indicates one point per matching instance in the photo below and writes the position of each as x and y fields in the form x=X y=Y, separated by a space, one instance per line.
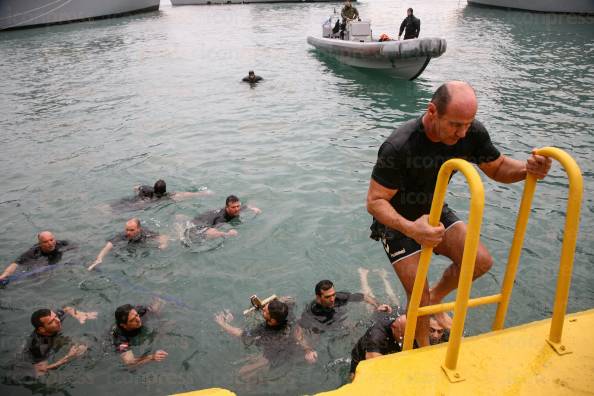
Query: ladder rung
x=473 y=302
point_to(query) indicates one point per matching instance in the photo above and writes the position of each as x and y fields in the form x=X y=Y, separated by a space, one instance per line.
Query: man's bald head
x=132 y=228
x=47 y=241
x=455 y=96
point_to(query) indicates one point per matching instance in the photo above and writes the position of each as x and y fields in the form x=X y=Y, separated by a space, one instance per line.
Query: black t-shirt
x=39 y=347
x=34 y=254
x=215 y=217
x=277 y=343
x=412 y=25
x=123 y=339
x=378 y=338
x=318 y=318
x=409 y=162
x=142 y=237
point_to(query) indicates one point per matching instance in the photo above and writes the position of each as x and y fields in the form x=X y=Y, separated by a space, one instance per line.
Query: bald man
x=47 y=251
x=133 y=234
x=403 y=180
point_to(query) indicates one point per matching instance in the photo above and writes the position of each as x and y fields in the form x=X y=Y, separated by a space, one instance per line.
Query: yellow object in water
x=514 y=361
x=207 y=392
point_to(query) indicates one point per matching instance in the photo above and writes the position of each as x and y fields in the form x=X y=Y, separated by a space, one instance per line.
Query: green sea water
x=89 y=110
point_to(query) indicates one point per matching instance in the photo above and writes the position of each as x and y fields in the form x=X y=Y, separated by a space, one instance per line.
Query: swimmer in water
x=159 y=191
x=276 y=335
x=48 y=251
x=208 y=222
x=133 y=234
x=47 y=338
x=129 y=325
x=252 y=78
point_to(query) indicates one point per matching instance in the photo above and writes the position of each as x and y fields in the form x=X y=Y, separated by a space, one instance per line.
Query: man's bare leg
x=406 y=269
x=452 y=247
x=392 y=297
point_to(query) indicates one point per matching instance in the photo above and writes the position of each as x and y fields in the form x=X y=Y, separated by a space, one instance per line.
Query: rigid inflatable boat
x=404 y=59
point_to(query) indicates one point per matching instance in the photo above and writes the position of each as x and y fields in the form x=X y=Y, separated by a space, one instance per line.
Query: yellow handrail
x=470 y=251
x=477 y=201
x=567 y=250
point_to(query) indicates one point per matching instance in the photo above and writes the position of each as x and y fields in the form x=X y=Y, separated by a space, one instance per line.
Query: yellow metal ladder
x=463 y=300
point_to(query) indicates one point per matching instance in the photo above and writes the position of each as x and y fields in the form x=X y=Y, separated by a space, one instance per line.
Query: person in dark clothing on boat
x=48 y=252
x=348 y=13
x=411 y=26
x=252 y=78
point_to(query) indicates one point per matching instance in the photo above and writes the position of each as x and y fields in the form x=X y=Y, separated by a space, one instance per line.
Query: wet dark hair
x=37 y=315
x=323 y=285
x=441 y=98
x=121 y=314
x=251 y=72
x=231 y=199
x=160 y=188
x=410 y=9
x=278 y=311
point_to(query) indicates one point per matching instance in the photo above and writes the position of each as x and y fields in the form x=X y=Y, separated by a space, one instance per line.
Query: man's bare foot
x=363 y=271
x=381 y=272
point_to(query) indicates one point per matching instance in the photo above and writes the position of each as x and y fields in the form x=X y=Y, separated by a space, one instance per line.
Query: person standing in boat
x=348 y=13
x=411 y=26
x=403 y=181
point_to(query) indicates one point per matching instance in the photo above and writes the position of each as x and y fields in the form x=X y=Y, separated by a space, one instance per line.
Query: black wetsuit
x=215 y=218
x=40 y=347
x=318 y=318
x=409 y=162
x=251 y=81
x=148 y=192
x=277 y=343
x=36 y=256
x=412 y=25
x=378 y=338
x=122 y=339
x=142 y=237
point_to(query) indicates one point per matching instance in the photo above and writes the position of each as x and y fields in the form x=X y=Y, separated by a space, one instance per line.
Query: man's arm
x=509 y=170
x=418 y=27
x=378 y=205
x=254 y=209
x=131 y=361
x=81 y=316
x=75 y=351
x=106 y=249
x=376 y=305
x=163 y=241
x=310 y=354
x=402 y=26
x=9 y=271
x=181 y=195
x=371 y=355
x=223 y=319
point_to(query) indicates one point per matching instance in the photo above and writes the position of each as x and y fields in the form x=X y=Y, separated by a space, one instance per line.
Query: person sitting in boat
x=252 y=78
x=48 y=251
x=348 y=13
x=411 y=26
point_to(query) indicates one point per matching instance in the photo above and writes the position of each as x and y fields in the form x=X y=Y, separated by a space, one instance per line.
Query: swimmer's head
x=47 y=242
x=436 y=331
x=251 y=73
x=160 y=188
x=275 y=313
x=325 y=293
x=232 y=205
x=398 y=326
x=132 y=228
x=46 y=322
x=127 y=317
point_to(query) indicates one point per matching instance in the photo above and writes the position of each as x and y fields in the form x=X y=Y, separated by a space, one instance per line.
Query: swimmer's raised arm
x=223 y=319
x=254 y=209
x=106 y=249
x=81 y=316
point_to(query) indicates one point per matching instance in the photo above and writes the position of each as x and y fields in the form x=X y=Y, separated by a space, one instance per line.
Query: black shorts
x=398 y=246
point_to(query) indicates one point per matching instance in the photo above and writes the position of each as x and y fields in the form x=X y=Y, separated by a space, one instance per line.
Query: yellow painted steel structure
x=531 y=359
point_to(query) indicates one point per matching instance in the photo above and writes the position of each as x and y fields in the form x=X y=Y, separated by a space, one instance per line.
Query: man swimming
x=207 y=223
x=252 y=78
x=159 y=191
x=134 y=234
x=48 y=251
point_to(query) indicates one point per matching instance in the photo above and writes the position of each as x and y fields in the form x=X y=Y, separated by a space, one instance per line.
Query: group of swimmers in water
x=279 y=335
